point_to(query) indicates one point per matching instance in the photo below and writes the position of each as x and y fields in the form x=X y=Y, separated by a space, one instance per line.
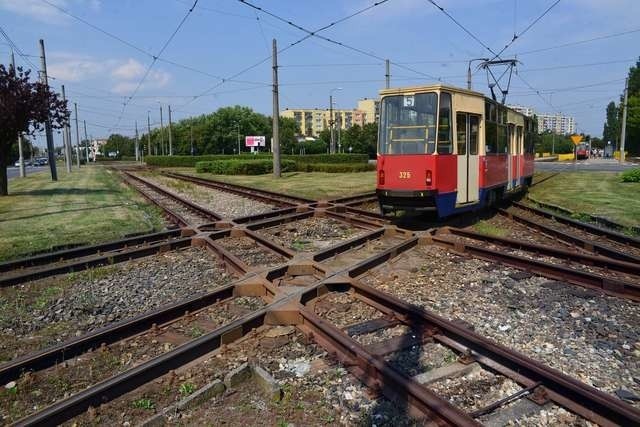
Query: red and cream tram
x=449 y=150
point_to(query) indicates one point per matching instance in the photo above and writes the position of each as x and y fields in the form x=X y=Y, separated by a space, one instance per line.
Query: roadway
x=13 y=172
x=603 y=165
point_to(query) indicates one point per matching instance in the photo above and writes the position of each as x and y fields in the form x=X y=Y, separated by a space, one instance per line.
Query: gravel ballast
x=52 y=310
x=587 y=335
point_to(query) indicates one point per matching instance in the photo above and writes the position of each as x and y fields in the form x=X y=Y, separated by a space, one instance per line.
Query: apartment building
x=556 y=123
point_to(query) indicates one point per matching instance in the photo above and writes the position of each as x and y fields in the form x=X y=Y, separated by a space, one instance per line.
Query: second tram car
x=449 y=150
x=582 y=151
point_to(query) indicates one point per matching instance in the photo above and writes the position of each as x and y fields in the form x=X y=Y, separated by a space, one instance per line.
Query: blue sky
x=222 y=37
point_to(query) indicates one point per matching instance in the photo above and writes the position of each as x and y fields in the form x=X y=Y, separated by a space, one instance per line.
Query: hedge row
x=190 y=161
x=243 y=167
x=335 y=167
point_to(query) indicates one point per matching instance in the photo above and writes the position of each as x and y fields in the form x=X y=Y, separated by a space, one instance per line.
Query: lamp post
x=238 y=135
x=469 y=70
x=332 y=148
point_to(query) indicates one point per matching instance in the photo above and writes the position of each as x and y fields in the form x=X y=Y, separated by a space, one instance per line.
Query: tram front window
x=408 y=124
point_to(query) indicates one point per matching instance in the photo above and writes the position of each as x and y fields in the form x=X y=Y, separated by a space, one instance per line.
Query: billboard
x=254 y=141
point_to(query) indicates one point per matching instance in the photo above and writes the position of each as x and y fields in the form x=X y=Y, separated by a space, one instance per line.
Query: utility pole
x=275 y=140
x=86 y=140
x=47 y=123
x=624 y=120
x=170 y=137
x=75 y=108
x=332 y=146
x=387 y=74
x=238 y=135
x=148 y=133
x=66 y=138
x=20 y=154
x=137 y=144
x=161 y=133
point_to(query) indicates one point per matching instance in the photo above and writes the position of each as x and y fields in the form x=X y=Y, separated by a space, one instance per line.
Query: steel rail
x=544 y=179
x=584 y=400
x=590 y=228
x=113 y=333
x=586 y=244
x=253 y=194
x=82 y=251
x=356 y=199
x=108 y=258
x=173 y=216
x=610 y=286
x=265 y=193
x=200 y=210
x=598 y=261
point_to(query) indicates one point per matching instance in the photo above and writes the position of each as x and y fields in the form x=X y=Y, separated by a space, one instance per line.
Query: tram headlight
x=381 y=177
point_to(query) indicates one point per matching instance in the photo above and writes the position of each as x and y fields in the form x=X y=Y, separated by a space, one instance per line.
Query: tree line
x=613 y=122
x=219 y=132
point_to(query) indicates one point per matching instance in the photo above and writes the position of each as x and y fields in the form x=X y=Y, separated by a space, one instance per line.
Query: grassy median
x=310 y=185
x=595 y=193
x=86 y=206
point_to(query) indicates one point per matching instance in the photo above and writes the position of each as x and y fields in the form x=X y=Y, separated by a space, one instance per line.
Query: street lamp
x=469 y=70
x=332 y=148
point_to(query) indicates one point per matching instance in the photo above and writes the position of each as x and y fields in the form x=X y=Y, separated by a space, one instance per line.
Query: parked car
x=42 y=161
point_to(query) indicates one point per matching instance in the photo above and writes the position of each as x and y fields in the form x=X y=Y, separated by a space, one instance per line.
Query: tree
x=24 y=108
x=122 y=145
x=611 y=130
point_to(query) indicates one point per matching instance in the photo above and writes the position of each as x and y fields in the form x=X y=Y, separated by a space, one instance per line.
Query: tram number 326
x=405 y=174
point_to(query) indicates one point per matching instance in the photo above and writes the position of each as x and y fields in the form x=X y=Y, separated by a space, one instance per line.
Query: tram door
x=467 y=131
x=519 y=154
x=511 y=151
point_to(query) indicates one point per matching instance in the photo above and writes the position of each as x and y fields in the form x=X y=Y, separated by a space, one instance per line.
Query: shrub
x=335 y=167
x=243 y=167
x=328 y=158
x=631 y=175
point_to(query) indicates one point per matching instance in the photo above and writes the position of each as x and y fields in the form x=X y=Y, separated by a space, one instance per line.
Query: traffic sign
x=576 y=139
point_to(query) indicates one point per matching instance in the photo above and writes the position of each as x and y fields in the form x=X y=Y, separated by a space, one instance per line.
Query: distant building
x=556 y=123
x=527 y=111
x=313 y=121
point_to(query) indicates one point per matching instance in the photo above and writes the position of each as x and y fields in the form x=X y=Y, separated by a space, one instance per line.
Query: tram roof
x=427 y=88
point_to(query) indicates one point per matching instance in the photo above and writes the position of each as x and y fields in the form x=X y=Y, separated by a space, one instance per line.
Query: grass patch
x=489 y=229
x=594 y=193
x=85 y=207
x=311 y=185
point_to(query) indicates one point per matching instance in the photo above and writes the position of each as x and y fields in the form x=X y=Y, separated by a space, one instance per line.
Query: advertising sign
x=254 y=141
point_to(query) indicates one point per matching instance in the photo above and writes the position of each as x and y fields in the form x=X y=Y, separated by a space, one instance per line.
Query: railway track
x=308 y=265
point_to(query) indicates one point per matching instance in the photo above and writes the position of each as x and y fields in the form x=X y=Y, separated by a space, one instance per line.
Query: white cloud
x=75 y=68
x=131 y=69
x=41 y=11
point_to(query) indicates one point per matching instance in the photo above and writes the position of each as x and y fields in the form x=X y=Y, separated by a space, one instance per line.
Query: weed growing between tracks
x=84 y=207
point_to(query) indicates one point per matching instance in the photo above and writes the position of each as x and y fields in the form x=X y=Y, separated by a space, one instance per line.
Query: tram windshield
x=408 y=124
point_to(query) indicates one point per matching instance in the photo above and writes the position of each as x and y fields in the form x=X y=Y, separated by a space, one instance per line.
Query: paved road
x=13 y=172
x=607 y=165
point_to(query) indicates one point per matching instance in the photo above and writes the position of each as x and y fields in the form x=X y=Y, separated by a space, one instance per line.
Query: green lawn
x=86 y=206
x=311 y=185
x=595 y=193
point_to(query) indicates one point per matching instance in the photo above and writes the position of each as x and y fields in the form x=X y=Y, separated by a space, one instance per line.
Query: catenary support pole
x=47 y=124
x=623 y=132
x=66 y=140
x=137 y=144
x=79 y=144
x=148 y=133
x=332 y=145
x=161 y=133
x=275 y=141
x=170 y=136
x=387 y=74
x=23 y=173
x=191 y=131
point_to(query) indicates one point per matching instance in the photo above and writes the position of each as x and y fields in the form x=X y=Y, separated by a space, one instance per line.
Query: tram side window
x=491 y=138
x=474 y=129
x=461 y=132
x=502 y=139
x=445 y=144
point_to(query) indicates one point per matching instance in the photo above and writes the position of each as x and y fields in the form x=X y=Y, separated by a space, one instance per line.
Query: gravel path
x=586 y=335
x=227 y=205
x=52 y=310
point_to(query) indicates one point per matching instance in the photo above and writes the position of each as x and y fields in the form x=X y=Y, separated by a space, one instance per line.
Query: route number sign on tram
x=254 y=141
x=576 y=139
